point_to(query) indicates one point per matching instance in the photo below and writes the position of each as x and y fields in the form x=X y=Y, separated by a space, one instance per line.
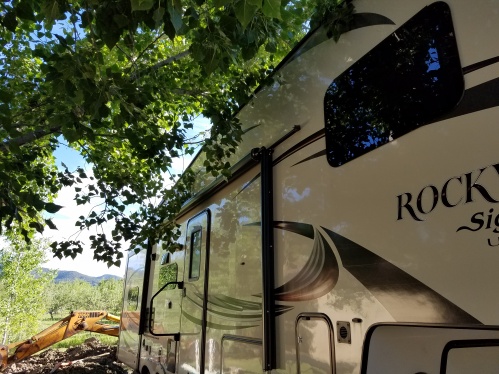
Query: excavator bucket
x=4 y=355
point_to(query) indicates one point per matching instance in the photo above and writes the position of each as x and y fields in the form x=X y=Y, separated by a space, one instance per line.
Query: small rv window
x=165 y=258
x=133 y=298
x=195 y=255
x=168 y=273
x=408 y=80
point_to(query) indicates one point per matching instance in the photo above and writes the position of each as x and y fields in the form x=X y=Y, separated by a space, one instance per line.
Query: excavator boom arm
x=74 y=323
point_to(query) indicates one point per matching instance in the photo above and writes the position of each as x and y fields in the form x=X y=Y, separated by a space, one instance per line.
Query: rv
x=359 y=232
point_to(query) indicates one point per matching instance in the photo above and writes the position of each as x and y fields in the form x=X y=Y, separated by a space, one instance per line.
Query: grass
x=80 y=338
x=76 y=339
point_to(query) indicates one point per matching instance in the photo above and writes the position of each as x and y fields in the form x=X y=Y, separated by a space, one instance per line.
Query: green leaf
x=196 y=52
x=62 y=40
x=5 y=96
x=37 y=226
x=221 y=3
x=51 y=10
x=211 y=60
x=157 y=16
x=141 y=4
x=248 y=52
x=175 y=17
x=86 y=19
x=52 y=208
x=24 y=11
x=121 y=20
x=111 y=37
x=10 y=21
x=169 y=29
x=271 y=47
x=70 y=88
x=245 y=11
x=257 y=3
x=177 y=4
x=272 y=8
x=51 y=224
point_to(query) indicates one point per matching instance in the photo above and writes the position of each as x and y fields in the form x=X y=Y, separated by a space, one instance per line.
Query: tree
x=81 y=295
x=121 y=81
x=111 y=295
x=23 y=285
x=75 y=295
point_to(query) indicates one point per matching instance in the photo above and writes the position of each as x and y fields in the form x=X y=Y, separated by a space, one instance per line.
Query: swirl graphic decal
x=403 y=296
x=320 y=273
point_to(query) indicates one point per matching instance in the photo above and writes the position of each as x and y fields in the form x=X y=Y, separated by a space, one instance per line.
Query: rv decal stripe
x=213 y=300
x=250 y=128
x=303 y=229
x=215 y=326
x=315 y=155
x=218 y=326
x=480 y=65
x=403 y=296
x=320 y=273
x=255 y=316
x=241 y=310
x=242 y=304
x=247 y=184
x=359 y=20
x=369 y=19
x=280 y=309
x=195 y=302
x=481 y=97
x=304 y=143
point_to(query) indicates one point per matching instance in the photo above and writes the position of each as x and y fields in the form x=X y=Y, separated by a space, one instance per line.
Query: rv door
x=194 y=305
x=134 y=291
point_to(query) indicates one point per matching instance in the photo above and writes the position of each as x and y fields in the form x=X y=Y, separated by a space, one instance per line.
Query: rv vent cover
x=343 y=331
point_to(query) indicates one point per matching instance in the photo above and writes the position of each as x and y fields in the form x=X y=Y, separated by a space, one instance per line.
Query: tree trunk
x=5 y=331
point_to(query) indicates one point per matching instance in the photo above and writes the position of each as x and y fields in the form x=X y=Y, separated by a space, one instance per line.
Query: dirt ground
x=91 y=357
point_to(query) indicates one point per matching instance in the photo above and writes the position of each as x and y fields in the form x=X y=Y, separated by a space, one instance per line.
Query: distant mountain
x=69 y=276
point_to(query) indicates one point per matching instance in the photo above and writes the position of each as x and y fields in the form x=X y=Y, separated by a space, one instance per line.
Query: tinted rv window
x=409 y=79
x=195 y=255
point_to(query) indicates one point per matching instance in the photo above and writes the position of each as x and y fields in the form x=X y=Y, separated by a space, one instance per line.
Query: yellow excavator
x=72 y=324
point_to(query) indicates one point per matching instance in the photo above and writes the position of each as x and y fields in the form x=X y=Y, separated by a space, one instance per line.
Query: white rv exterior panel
x=390 y=250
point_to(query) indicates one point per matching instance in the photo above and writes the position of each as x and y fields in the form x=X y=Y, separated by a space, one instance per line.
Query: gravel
x=90 y=357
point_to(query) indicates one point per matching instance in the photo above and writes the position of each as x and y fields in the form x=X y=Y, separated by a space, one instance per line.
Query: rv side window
x=195 y=254
x=168 y=273
x=408 y=80
x=133 y=298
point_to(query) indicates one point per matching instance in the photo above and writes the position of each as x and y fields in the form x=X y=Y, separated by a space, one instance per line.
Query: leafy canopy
x=121 y=82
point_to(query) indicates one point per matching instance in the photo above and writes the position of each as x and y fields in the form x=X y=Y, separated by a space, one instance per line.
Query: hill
x=69 y=276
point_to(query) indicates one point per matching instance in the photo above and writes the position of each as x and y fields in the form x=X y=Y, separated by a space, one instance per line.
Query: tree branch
x=29 y=137
x=160 y=64
x=37 y=134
